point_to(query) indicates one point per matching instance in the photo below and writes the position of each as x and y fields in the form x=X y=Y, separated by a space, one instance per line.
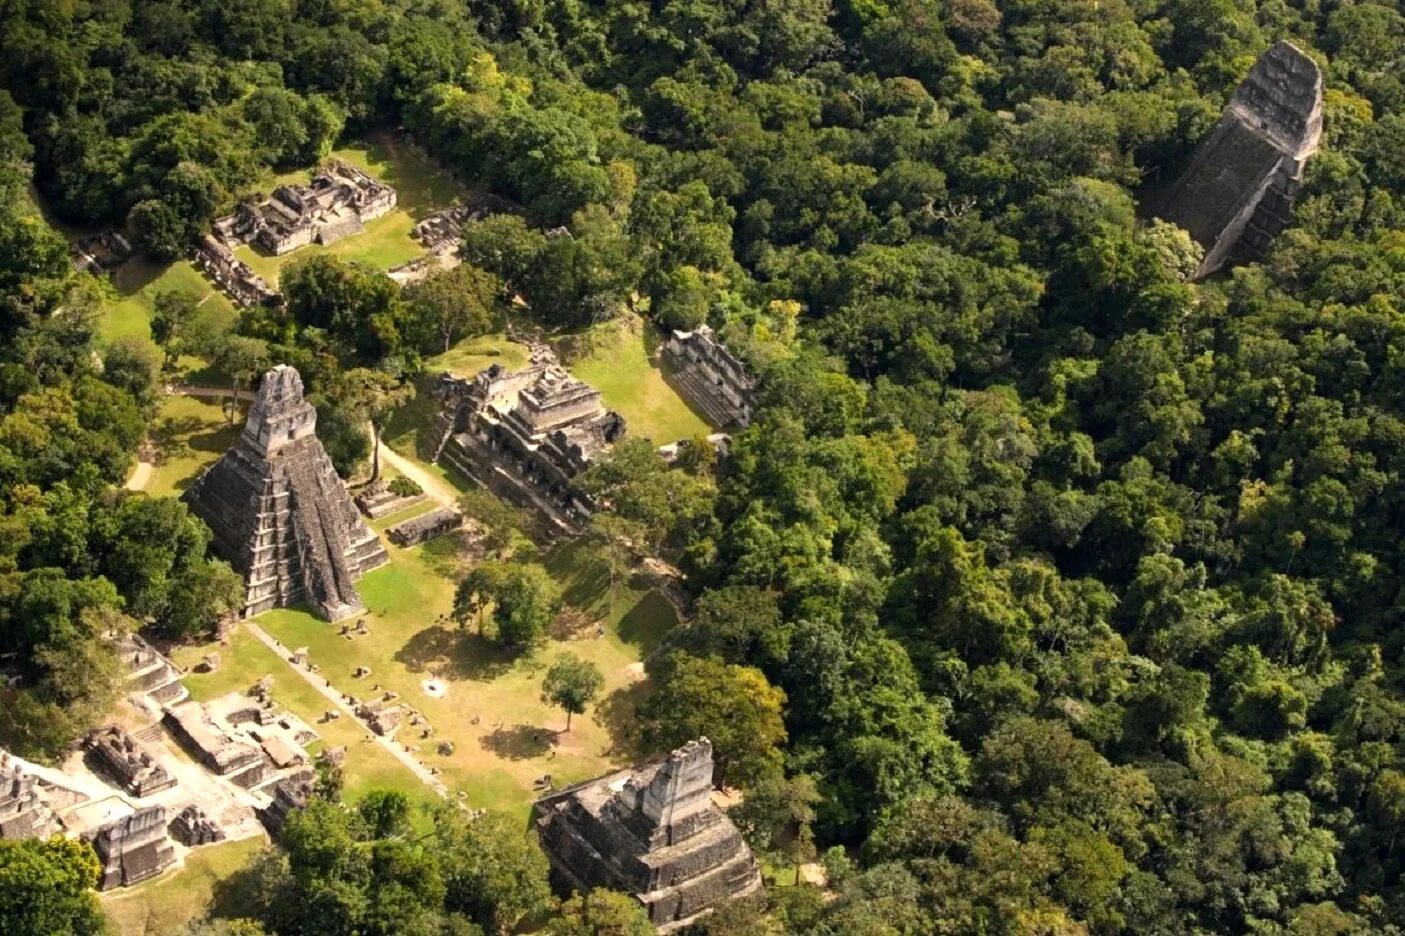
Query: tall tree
x=571 y=684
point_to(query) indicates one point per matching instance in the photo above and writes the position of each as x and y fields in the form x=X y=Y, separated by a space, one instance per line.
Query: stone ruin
x=118 y=755
x=711 y=378
x=150 y=675
x=382 y=716
x=426 y=526
x=240 y=739
x=378 y=500
x=24 y=813
x=442 y=231
x=133 y=848
x=100 y=253
x=292 y=792
x=653 y=832
x=526 y=434
x=335 y=204
x=193 y=828
x=280 y=514
x=235 y=277
x=1238 y=191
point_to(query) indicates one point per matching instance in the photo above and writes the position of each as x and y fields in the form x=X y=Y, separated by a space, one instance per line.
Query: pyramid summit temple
x=281 y=515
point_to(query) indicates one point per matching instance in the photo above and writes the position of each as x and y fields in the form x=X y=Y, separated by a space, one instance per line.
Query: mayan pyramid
x=1237 y=193
x=280 y=514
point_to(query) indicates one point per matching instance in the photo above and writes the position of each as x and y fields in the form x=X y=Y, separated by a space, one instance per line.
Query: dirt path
x=141 y=476
x=335 y=697
x=208 y=392
x=435 y=486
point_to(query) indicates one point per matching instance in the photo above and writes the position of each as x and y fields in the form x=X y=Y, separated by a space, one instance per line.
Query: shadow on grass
x=444 y=555
x=618 y=714
x=584 y=575
x=448 y=653
x=137 y=274
x=251 y=889
x=519 y=742
x=647 y=622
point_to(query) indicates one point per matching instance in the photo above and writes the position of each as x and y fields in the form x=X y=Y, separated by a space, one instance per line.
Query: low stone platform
x=425 y=527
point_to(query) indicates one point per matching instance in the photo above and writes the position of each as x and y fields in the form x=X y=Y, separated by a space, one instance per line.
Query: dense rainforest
x=1077 y=586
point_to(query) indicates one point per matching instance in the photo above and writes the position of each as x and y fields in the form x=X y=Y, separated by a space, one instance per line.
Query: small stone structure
x=100 y=253
x=426 y=526
x=280 y=514
x=1238 y=191
x=238 y=280
x=150 y=674
x=290 y=793
x=524 y=435
x=377 y=500
x=711 y=377
x=240 y=739
x=383 y=716
x=337 y=203
x=652 y=832
x=118 y=755
x=192 y=828
x=133 y=848
x=23 y=811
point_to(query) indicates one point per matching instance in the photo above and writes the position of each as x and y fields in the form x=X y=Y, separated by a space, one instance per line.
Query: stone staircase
x=696 y=389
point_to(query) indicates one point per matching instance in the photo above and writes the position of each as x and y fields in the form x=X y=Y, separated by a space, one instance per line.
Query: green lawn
x=421 y=188
x=472 y=355
x=619 y=365
x=505 y=736
x=168 y=903
x=139 y=280
x=191 y=435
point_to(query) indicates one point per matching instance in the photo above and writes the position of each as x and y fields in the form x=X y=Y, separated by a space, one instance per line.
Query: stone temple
x=280 y=514
x=711 y=377
x=1238 y=191
x=652 y=832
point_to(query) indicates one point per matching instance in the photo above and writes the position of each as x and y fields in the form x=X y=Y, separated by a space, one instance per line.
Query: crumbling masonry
x=652 y=832
x=1238 y=192
x=280 y=514
x=711 y=378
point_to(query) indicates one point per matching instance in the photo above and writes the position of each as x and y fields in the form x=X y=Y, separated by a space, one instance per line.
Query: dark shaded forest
x=1081 y=582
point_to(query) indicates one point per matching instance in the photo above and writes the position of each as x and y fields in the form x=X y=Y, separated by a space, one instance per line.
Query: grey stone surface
x=290 y=793
x=133 y=848
x=280 y=514
x=426 y=526
x=711 y=378
x=526 y=434
x=652 y=832
x=23 y=811
x=118 y=755
x=1238 y=191
x=192 y=828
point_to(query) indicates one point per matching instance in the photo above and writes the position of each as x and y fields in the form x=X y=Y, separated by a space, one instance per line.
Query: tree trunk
x=375 y=452
x=568 y=719
x=234 y=403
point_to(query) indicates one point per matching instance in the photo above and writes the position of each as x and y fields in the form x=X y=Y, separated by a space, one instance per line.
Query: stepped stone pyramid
x=280 y=514
x=1237 y=193
x=652 y=832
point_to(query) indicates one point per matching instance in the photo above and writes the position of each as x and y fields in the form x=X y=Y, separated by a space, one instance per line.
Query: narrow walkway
x=141 y=476
x=435 y=486
x=320 y=684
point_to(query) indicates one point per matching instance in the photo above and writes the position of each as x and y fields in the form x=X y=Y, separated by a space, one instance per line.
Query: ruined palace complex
x=652 y=832
x=711 y=378
x=1237 y=193
x=280 y=514
x=337 y=203
x=525 y=434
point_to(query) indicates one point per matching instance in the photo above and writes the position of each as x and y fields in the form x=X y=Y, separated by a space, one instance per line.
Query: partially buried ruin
x=525 y=435
x=280 y=514
x=711 y=377
x=1238 y=191
x=653 y=832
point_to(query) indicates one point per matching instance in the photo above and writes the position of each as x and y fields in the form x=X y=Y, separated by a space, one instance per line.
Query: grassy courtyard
x=137 y=283
x=191 y=434
x=620 y=363
x=504 y=736
x=168 y=903
x=421 y=188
